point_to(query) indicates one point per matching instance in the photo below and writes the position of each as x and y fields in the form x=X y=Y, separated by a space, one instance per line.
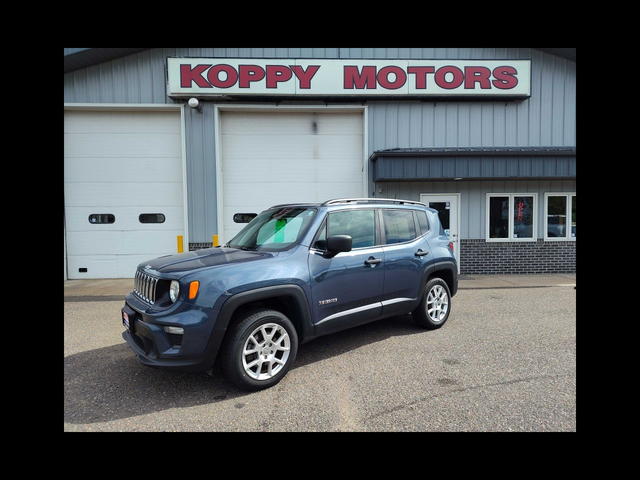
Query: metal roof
x=474 y=152
x=77 y=58
x=471 y=163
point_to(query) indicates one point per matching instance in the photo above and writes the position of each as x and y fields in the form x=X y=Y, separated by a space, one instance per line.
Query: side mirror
x=244 y=217
x=338 y=243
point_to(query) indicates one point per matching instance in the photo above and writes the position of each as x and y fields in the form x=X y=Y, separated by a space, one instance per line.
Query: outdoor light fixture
x=195 y=103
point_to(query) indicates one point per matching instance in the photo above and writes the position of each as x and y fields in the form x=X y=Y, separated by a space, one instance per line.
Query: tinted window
x=398 y=226
x=102 y=218
x=151 y=218
x=360 y=224
x=423 y=222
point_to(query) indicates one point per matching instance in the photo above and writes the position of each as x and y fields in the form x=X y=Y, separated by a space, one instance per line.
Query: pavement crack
x=411 y=404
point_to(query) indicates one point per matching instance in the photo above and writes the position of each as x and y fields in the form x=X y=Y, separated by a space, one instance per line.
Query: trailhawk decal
x=253 y=76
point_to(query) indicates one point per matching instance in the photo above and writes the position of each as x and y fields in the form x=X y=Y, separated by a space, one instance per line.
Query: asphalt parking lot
x=504 y=361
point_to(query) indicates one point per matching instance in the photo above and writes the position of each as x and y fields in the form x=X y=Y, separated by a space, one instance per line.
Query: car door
x=407 y=254
x=347 y=288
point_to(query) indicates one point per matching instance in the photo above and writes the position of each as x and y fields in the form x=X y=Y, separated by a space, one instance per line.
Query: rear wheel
x=435 y=306
x=260 y=350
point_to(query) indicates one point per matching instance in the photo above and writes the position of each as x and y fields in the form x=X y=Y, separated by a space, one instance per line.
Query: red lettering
x=359 y=80
x=250 y=73
x=213 y=75
x=189 y=75
x=400 y=77
x=421 y=75
x=276 y=74
x=305 y=77
x=473 y=75
x=505 y=78
x=456 y=81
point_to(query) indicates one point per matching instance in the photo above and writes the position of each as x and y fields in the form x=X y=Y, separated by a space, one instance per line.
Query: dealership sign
x=295 y=77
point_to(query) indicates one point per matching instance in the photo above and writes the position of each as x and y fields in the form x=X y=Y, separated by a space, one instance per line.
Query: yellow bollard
x=180 y=246
x=215 y=241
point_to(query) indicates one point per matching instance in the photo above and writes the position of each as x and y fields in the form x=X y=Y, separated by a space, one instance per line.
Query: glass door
x=447 y=207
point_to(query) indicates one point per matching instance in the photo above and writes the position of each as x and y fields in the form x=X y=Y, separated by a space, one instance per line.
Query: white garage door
x=281 y=157
x=123 y=190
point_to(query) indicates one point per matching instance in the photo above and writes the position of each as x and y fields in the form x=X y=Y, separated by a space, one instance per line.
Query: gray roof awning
x=473 y=163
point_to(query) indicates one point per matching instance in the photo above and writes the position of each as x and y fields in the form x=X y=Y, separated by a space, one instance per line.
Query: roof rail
x=337 y=201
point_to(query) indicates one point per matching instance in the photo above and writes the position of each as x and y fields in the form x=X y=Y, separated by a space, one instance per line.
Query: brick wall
x=482 y=257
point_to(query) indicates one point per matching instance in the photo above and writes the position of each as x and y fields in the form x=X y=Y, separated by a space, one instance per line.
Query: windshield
x=274 y=230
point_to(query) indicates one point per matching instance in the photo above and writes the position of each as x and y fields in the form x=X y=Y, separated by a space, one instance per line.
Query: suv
x=294 y=273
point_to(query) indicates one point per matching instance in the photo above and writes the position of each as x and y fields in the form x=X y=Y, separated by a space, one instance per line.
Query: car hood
x=210 y=257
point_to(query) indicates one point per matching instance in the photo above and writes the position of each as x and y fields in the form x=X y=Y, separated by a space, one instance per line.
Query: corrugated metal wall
x=548 y=118
x=392 y=168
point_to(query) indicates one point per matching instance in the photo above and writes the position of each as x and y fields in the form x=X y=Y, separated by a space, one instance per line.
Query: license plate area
x=128 y=318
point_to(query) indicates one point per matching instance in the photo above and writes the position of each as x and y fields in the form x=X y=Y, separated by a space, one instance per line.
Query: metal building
x=170 y=143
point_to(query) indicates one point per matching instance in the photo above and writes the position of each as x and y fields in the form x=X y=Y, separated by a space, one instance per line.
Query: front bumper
x=193 y=351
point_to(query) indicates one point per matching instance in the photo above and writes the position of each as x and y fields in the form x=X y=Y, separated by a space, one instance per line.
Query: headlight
x=174 y=291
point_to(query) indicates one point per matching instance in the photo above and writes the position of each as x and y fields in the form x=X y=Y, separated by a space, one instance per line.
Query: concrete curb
x=113 y=289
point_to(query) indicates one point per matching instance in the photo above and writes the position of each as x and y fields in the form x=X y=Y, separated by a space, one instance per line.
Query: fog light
x=174 y=330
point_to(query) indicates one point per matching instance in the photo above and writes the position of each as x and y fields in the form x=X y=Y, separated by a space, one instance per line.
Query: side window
x=423 y=222
x=398 y=226
x=360 y=224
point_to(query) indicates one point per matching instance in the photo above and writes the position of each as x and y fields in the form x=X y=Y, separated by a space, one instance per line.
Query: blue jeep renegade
x=294 y=273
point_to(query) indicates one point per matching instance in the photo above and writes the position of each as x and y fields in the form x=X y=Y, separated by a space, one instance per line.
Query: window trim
x=569 y=196
x=511 y=196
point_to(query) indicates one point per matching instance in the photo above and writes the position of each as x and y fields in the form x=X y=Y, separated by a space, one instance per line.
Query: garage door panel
x=97 y=266
x=126 y=218
x=121 y=122
x=271 y=157
x=301 y=123
x=283 y=147
x=156 y=243
x=145 y=195
x=143 y=145
x=122 y=170
x=124 y=164
x=87 y=243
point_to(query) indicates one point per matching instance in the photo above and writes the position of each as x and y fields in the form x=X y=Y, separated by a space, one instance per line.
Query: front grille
x=144 y=286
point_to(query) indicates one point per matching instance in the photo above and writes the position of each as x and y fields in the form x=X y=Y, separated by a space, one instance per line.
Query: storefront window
x=557 y=216
x=560 y=216
x=499 y=217
x=522 y=217
x=511 y=217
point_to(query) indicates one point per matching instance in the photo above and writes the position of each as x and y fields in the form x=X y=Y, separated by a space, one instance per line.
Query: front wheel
x=260 y=350
x=435 y=306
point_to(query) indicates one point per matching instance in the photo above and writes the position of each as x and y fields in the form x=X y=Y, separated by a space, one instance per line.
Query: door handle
x=373 y=261
x=421 y=253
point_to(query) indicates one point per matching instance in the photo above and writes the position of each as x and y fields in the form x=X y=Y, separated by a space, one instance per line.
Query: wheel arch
x=290 y=300
x=448 y=272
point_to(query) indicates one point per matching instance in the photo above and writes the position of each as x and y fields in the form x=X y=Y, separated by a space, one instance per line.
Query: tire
x=260 y=350
x=434 y=308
